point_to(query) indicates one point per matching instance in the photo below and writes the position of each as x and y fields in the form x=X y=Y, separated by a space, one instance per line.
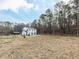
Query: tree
x=5 y=28
x=34 y=24
x=63 y=12
x=76 y=2
x=46 y=20
x=64 y=18
x=19 y=27
x=50 y=18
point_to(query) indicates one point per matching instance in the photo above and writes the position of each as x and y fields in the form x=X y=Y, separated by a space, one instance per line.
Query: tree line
x=7 y=28
x=64 y=19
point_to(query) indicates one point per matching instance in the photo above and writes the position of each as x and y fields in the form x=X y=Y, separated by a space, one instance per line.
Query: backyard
x=39 y=47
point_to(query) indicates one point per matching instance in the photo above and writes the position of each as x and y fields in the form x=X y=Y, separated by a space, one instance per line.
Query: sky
x=24 y=11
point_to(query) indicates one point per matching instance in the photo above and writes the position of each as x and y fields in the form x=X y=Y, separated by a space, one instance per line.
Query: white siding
x=30 y=31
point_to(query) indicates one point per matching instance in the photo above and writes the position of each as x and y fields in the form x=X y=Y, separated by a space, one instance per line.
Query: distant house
x=29 y=31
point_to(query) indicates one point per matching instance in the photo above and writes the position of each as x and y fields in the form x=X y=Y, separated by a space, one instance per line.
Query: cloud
x=15 y=4
x=24 y=10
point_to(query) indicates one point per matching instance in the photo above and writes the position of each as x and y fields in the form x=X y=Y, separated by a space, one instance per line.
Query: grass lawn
x=39 y=47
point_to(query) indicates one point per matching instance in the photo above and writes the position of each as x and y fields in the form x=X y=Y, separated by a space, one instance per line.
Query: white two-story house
x=29 y=31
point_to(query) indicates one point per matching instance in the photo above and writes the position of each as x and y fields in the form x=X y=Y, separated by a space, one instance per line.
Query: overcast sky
x=24 y=10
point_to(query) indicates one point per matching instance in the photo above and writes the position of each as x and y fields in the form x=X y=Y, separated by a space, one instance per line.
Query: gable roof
x=28 y=28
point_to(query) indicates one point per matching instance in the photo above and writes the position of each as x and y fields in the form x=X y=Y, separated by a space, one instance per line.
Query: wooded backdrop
x=62 y=19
